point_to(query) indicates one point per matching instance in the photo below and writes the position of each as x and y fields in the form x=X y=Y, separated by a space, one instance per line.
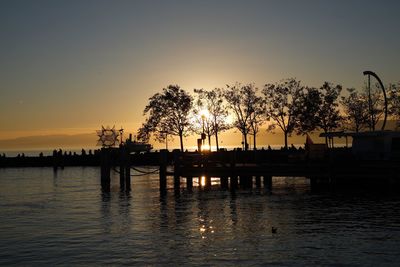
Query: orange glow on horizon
x=205 y=148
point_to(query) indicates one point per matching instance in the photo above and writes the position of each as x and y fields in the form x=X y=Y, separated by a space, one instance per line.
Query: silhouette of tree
x=215 y=121
x=160 y=135
x=394 y=101
x=308 y=105
x=257 y=112
x=281 y=101
x=355 y=109
x=144 y=133
x=168 y=114
x=317 y=109
x=243 y=102
x=328 y=115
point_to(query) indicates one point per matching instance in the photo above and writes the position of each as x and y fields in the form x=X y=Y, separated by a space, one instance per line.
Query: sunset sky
x=68 y=67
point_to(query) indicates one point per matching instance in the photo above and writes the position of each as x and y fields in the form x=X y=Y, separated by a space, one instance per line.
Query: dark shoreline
x=65 y=160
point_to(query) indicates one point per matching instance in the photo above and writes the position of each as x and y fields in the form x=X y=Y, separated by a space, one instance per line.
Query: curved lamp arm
x=384 y=95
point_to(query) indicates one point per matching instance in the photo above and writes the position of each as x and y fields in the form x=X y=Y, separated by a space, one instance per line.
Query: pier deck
x=334 y=168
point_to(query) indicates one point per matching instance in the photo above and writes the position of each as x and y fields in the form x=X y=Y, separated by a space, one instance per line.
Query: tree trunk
x=326 y=138
x=286 y=137
x=254 y=141
x=246 y=146
x=166 y=141
x=181 y=140
x=216 y=140
x=209 y=141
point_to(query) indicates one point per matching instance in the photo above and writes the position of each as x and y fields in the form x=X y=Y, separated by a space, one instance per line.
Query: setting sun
x=205 y=148
x=204 y=113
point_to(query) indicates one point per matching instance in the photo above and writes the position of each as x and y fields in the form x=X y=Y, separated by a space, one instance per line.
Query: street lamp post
x=166 y=141
x=203 y=135
x=370 y=73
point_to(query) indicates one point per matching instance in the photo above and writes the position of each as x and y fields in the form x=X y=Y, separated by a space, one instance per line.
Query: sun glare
x=205 y=148
x=204 y=113
x=229 y=119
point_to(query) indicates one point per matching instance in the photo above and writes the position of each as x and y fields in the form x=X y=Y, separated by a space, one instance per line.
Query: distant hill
x=50 y=141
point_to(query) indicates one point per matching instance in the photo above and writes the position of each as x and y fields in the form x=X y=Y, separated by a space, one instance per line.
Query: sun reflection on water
x=206 y=228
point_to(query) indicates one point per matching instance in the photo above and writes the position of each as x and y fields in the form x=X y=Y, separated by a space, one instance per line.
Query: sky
x=68 y=67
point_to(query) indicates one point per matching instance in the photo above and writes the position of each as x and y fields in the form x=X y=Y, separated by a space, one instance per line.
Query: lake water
x=64 y=219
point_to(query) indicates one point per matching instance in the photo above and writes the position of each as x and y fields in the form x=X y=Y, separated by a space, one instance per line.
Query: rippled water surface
x=64 y=219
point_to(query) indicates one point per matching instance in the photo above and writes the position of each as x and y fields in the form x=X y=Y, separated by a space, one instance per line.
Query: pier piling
x=234 y=182
x=105 y=170
x=258 y=181
x=224 y=182
x=267 y=179
x=189 y=183
x=122 y=177
x=128 y=177
x=122 y=162
x=163 y=169
x=177 y=175
x=233 y=175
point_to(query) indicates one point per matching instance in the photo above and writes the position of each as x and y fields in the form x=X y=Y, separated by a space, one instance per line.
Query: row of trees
x=286 y=105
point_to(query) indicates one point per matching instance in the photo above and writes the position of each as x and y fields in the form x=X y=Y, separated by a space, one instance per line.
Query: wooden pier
x=233 y=169
x=245 y=169
x=121 y=160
